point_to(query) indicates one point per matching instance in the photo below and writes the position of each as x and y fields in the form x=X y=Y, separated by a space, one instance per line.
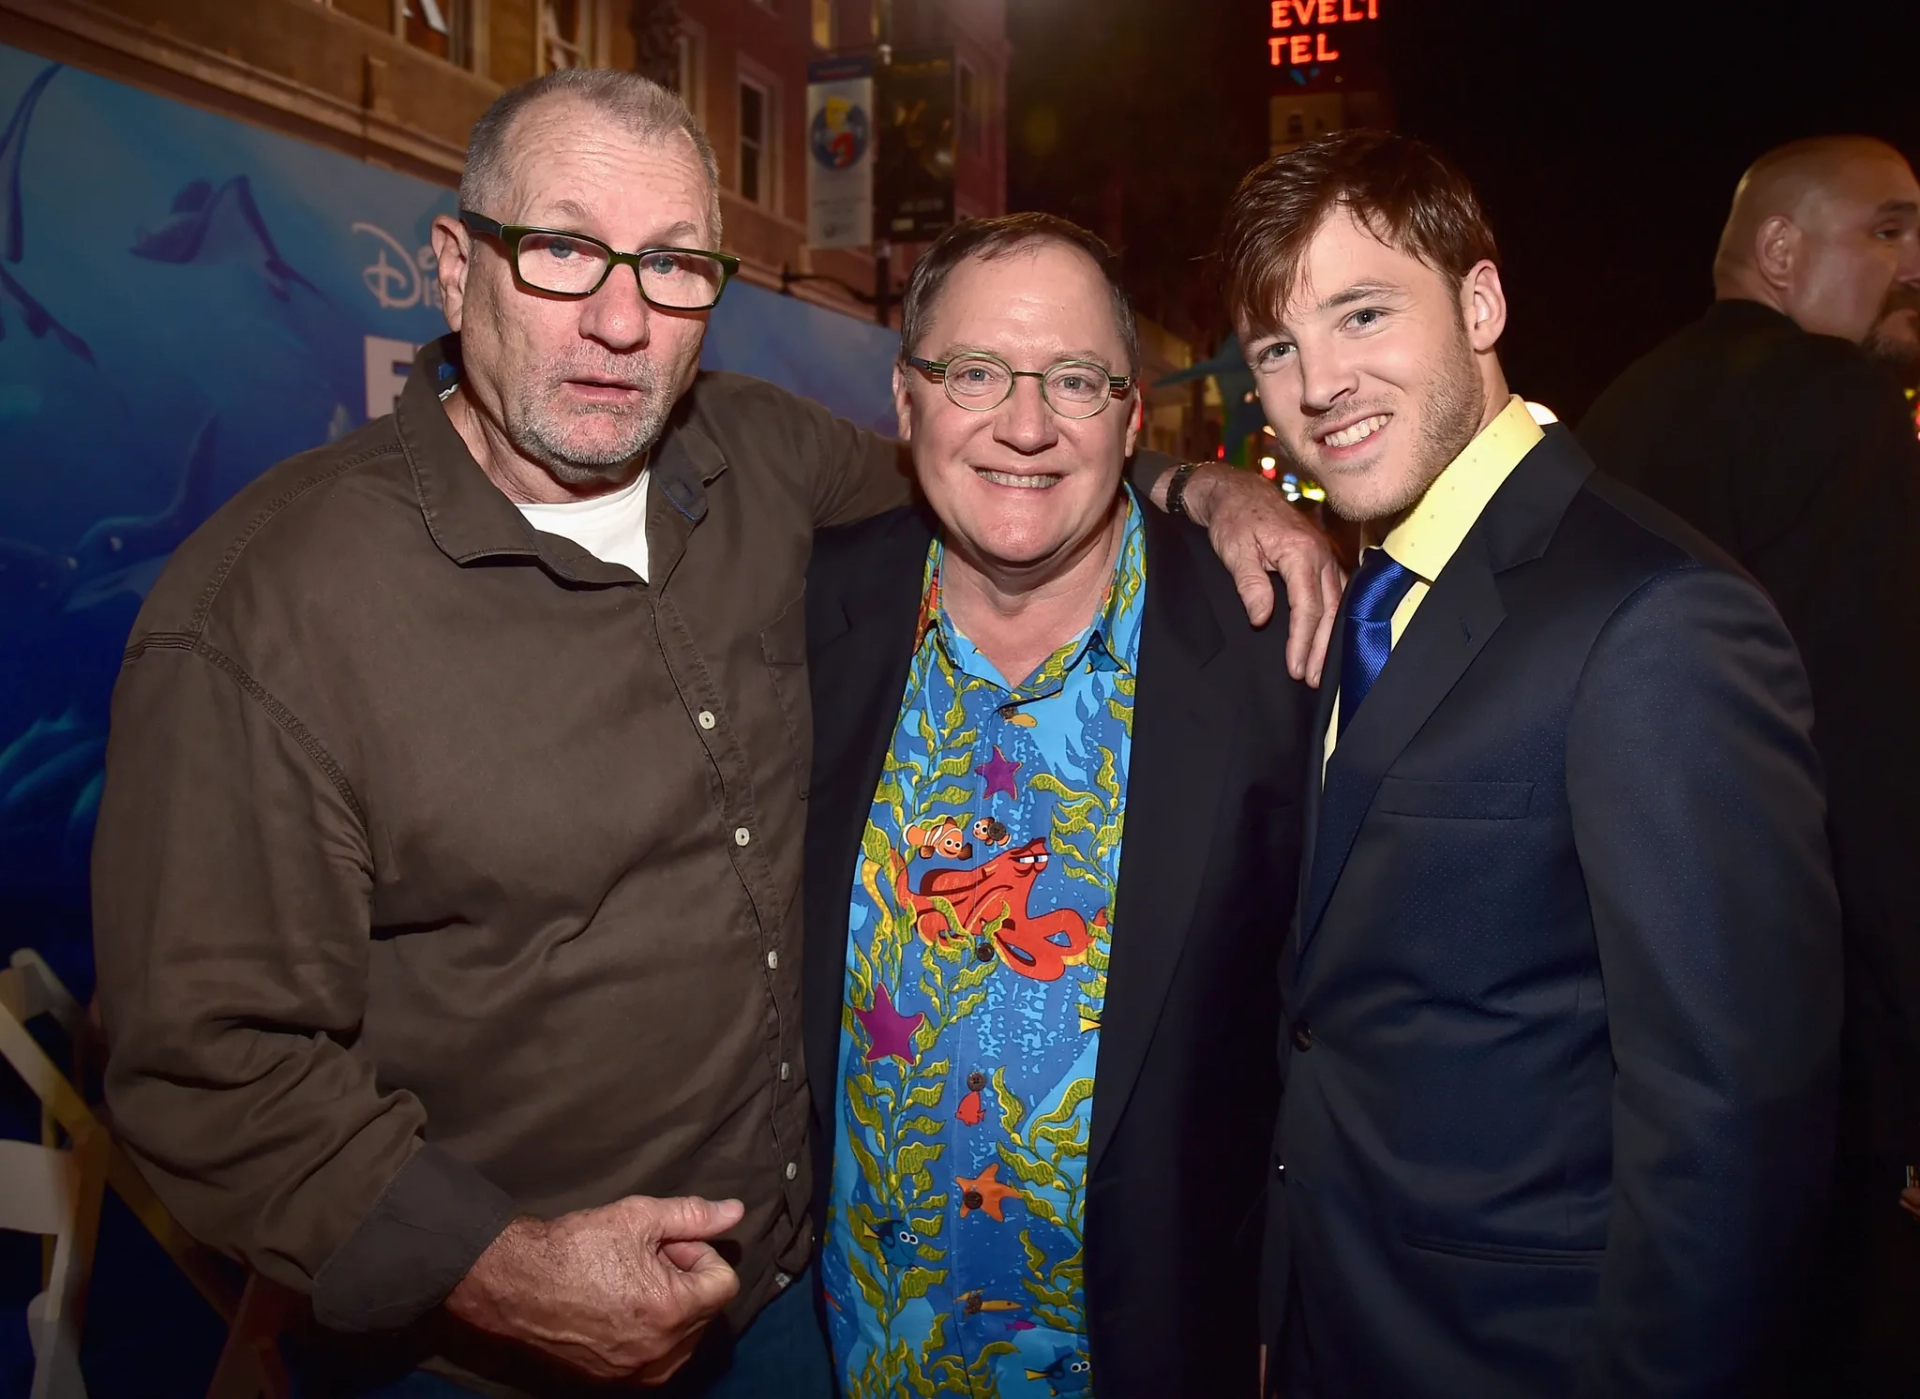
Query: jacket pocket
x=1507 y=1253
x=1454 y=801
x=784 y=645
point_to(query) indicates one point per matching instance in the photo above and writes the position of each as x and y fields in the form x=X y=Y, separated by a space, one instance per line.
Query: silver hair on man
x=647 y=110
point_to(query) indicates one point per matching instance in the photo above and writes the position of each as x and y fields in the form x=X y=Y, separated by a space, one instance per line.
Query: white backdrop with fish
x=185 y=300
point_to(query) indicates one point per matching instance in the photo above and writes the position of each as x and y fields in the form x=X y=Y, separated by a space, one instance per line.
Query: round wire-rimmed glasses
x=562 y=263
x=980 y=382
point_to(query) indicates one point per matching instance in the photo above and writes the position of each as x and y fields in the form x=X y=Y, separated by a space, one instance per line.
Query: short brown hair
x=1410 y=196
x=990 y=238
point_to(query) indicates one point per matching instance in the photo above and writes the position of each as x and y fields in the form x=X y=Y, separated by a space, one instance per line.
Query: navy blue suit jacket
x=1562 y=1003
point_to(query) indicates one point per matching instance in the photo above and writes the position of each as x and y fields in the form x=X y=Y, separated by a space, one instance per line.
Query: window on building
x=756 y=175
x=825 y=26
x=684 y=78
x=973 y=112
x=444 y=28
x=568 y=35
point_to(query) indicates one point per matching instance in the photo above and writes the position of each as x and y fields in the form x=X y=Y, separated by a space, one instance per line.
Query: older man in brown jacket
x=447 y=870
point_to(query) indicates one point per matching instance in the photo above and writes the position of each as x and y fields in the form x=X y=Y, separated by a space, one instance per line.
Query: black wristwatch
x=1177 y=488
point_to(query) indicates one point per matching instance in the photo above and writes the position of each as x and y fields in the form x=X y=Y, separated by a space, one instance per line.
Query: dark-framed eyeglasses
x=979 y=382
x=561 y=263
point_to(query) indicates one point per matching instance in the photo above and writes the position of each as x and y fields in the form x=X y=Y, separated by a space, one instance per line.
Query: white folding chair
x=46 y=1185
x=56 y=1193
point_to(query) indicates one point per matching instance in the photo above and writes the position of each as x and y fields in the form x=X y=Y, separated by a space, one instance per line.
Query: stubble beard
x=1450 y=413
x=1897 y=354
x=542 y=432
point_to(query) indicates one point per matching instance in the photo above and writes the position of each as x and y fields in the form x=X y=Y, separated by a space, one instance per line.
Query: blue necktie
x=1377 y=589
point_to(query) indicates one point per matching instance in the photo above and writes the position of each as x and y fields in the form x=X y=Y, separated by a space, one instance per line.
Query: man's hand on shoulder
x=622 y=1291
x=1256 y=532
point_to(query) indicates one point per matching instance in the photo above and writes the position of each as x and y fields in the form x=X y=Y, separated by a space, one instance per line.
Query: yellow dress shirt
x=1424 y=541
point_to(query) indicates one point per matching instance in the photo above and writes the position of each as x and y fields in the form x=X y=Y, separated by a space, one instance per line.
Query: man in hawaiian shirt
x=1044 y=1077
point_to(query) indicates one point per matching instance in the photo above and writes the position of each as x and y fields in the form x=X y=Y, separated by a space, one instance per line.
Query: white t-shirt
x=611 y=527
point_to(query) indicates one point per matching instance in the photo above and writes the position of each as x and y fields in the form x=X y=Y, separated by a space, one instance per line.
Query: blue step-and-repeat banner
x=185 y=300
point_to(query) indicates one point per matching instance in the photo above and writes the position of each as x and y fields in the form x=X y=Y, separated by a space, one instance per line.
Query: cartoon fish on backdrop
x=120 y=553
x=39 y=322
x=221 y=225
x=899 y=1245
x=1070 y=1373
x=50 y=778
x=941 y=836
x=1039 y=946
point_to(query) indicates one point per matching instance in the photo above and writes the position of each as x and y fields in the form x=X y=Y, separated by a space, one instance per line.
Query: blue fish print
x=120 y=553
x=13 y=235
x=220 y=225
x=1070 y=1373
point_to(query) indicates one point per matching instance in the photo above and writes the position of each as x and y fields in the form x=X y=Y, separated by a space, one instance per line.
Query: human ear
x=1776 y=247
x=1483 y=306
x=1132 y=404
x=453 y=257
x=902 y=405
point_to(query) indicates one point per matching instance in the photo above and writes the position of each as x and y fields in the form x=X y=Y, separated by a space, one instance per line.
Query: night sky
x=1605 y=140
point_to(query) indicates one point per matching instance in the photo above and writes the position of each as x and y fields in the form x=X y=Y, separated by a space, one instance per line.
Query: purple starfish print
x=999 y=774
x=890 y=1032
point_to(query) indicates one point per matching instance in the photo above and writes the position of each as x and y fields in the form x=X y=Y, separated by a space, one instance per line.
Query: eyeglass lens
x=1072 y=390
x=572 y=266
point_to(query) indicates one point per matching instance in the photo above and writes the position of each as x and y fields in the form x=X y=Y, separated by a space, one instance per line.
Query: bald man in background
x=1775 y=424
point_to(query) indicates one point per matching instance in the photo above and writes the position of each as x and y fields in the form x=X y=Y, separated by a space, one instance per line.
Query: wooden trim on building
x=413 y=111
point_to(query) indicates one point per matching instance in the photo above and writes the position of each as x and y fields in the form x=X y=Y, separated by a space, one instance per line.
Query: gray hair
x=648 y=111
x=989 y=238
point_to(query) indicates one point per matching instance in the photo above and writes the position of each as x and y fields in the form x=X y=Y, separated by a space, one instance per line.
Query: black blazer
x=1796 y=454
x=1563 y=1001
x=1186 y=1084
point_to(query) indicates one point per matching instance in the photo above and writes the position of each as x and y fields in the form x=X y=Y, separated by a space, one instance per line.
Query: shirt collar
x=1428 y=537
x=470 y=518
x=1100 y=642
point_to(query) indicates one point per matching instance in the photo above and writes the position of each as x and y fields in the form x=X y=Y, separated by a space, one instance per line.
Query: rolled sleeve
x=430 y=1225
x=231 y=879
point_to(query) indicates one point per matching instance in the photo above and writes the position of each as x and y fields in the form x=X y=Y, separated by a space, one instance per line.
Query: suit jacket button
x=1303 y=1037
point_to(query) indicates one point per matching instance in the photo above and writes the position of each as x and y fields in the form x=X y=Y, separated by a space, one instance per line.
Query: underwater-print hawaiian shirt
x=981 y=919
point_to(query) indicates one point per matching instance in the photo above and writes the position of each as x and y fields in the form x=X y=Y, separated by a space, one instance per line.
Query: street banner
x=914 y=177
x=840 y=152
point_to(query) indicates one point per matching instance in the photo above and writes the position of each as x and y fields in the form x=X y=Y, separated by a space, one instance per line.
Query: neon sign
x=1307 y=24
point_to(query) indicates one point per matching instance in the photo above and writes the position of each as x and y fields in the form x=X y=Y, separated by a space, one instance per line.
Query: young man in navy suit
x=1562 y=1001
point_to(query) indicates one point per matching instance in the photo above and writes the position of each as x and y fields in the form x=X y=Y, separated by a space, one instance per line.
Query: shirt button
x=786 y=1071
x=793 y=1170
x=773 y=961
x=972 y=1200
x=706 y=718
x=1303 y=1037
x=741 y=835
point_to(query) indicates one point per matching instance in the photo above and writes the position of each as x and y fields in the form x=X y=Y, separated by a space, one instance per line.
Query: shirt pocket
x=784 y=645
x=1453 y=801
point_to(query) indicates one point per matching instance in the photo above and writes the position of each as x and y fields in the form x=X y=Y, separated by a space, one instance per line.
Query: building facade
x=401 y=82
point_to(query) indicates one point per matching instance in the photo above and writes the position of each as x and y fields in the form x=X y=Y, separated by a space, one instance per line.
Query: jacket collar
x=1449 y=631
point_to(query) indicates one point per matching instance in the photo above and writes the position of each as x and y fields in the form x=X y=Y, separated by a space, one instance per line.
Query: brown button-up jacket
x=445 y=871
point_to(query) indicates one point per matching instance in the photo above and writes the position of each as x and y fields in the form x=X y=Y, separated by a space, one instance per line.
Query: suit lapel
x=859 y=648
x=1451 y=628
x=1182 y=741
